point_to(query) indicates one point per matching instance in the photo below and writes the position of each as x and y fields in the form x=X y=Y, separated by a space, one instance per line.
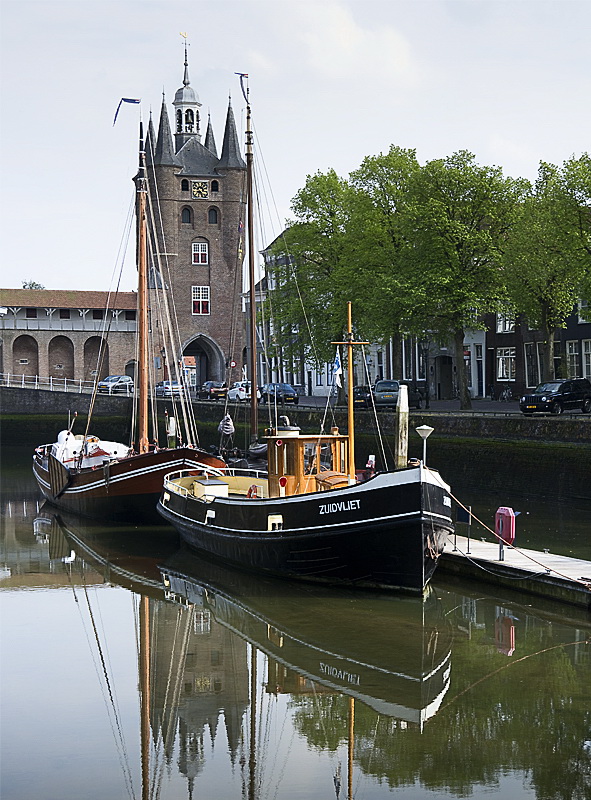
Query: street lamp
x=424 y=432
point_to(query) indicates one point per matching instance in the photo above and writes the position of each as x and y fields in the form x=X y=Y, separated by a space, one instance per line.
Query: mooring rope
x=585 y=584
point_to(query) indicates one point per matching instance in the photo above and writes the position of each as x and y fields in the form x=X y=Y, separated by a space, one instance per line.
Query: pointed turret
x=231 y=157
x=150 y=143
x=209 y=138
x=186 y=104
x=164 y=154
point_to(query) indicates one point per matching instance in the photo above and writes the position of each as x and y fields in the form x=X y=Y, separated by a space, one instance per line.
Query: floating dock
x=561 y=578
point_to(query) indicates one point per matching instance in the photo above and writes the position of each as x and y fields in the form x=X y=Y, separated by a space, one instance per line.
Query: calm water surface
x=133 y=669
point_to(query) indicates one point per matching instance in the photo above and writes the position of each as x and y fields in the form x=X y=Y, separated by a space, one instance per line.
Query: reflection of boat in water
x=391 y=653
x=121 y=555
x=200 y=627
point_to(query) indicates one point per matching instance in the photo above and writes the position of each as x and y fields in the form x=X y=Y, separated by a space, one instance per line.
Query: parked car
x=557 y=396
x=280 y=392
x=386 y=394
x=240 y=391
x=213 y=390
x=361 y=397
x=168 y=389
x=116 y=384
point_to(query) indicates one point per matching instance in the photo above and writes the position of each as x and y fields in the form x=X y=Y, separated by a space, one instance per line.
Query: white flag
x=337 y=370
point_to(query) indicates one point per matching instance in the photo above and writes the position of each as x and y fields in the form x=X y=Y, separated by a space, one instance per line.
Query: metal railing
x=12 y=380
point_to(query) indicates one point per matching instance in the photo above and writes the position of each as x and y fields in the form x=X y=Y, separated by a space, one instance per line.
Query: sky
x=331 y=81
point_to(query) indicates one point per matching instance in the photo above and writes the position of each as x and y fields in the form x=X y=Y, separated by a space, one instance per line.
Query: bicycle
x=506 y=395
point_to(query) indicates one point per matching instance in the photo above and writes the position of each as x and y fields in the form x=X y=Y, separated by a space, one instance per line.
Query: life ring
x=253 y=491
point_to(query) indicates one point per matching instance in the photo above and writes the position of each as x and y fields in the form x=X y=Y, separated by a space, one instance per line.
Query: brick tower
x=200 y=199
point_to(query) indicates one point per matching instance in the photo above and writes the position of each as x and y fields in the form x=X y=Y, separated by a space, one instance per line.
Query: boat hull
x=387 y=533
x=126 y=489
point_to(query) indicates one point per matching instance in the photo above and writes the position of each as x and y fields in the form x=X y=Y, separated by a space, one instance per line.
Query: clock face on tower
x=199 y=189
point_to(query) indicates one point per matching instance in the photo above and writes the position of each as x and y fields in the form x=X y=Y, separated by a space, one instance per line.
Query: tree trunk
x=461 y=376
x=396 y=356
x=547 y=347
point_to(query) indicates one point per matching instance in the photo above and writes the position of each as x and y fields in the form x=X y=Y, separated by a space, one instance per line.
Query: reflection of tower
x=200 y=671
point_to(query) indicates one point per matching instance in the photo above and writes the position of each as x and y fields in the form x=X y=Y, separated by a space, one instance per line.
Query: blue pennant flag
x=337 y=370
x=124 y=100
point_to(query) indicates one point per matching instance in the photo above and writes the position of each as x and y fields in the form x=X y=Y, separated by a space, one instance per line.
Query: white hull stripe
x=100 y=482
x=269 y=534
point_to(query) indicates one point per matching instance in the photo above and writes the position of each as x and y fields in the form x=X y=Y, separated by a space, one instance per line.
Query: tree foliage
x=427 y=250
x=547 y=261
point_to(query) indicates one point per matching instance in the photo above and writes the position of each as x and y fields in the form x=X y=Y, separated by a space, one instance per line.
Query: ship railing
x=180 y=481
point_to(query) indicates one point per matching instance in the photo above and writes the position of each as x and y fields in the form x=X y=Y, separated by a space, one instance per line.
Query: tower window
x=184 y=185
x=212 y=216
x=215 y=187
x=200 y=253
x=64 y=313
x=98 y=313
x=31 y=313
x=200 y=300
x=189 y=121
x=186 y=215
x=179 y=121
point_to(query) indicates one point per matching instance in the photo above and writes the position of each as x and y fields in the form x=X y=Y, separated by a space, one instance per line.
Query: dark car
x=168 y=389
x=116 y=384
x=279 y=392
x=361 y=397
x=213 y=390
x=386 y=394
x=557 y=396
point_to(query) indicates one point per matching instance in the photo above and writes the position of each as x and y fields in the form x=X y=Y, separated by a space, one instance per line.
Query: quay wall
x=575 y=429
x=543 y=457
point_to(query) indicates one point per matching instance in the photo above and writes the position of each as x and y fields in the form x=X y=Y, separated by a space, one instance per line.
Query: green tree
x=456 y=220
x=383 y=287
x=547 y=259
x=310 y=270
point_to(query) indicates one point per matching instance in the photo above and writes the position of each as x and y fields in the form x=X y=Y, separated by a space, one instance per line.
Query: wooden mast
x=350 y=415
x=254 y=421
x=142 y=372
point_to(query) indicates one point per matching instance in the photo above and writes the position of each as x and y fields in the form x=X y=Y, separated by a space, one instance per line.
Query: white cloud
x=336 y=46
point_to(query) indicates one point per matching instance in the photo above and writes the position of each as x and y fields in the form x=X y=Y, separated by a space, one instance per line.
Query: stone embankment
x=447 y=422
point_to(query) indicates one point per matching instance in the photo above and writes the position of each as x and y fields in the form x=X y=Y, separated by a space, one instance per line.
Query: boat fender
x=252 y=491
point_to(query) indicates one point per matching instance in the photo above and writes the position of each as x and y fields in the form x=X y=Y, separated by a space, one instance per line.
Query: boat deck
x=543 y=574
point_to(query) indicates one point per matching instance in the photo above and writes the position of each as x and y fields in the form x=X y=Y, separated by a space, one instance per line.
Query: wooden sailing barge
x=89 y=476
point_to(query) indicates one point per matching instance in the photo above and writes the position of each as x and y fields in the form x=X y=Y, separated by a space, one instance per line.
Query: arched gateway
x=203 y=360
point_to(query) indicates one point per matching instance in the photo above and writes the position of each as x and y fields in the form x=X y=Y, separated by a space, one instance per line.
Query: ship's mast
x=142 y=373
x=254 y=421
x=350 y=416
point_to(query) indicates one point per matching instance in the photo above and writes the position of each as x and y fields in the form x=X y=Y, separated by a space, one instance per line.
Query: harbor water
x=132 y=668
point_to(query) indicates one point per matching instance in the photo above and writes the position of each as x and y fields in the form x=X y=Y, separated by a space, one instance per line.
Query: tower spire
x=186 y=109
x=186 y=80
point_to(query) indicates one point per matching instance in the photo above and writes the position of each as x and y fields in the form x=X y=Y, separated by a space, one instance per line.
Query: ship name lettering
x=339 y=674
x=342 y=505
